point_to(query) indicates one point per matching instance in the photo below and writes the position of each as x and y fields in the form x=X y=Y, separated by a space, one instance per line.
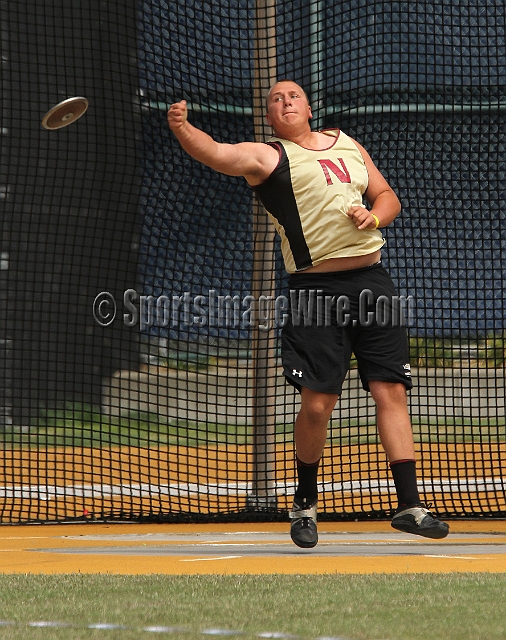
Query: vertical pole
x=263 y=494
x=315 y=45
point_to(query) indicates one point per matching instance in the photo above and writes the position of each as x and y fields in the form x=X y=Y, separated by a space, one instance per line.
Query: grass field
x=402 y=607
x=85 y=426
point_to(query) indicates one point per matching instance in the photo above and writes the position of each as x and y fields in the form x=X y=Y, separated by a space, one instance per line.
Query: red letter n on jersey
x=342 y=173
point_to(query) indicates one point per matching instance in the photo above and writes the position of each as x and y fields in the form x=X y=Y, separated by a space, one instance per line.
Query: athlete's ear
x=310 y=113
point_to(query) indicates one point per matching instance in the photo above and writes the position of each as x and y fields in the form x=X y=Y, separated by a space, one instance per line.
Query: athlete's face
x=287 y=106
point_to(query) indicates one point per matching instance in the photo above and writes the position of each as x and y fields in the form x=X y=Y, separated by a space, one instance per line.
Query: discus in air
x=65 y=113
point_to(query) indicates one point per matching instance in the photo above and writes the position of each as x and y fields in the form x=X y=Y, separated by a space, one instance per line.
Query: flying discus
x=65 y=113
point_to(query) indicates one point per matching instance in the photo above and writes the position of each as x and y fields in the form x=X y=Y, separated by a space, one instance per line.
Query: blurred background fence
x=136 y=380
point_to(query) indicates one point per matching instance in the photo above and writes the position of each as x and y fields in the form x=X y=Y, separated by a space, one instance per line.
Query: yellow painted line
x=20 y=551
x=26 y=532
x=43 y=563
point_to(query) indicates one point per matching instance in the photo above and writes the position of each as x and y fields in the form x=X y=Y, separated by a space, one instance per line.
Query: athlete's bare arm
x=384 y=203
x=252 y=160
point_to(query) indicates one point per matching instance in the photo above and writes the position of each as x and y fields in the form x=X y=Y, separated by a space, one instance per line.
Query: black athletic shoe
x=303 y=529
x=420 y=521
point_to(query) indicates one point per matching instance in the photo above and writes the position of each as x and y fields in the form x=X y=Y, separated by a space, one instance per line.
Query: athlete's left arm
x=385 y=205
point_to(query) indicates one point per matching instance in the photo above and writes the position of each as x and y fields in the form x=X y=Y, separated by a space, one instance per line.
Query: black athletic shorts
x=333 y=315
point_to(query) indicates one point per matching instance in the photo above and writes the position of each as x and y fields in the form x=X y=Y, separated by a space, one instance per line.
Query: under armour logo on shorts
x=297 y=373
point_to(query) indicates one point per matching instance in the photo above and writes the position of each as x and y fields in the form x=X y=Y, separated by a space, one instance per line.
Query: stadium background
x=114 y=422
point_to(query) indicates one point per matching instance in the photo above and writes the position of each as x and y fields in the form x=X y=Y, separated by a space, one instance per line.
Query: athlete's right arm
x=252 y=160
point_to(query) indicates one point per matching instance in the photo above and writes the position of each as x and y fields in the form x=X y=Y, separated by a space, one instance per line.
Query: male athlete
x=312 y=184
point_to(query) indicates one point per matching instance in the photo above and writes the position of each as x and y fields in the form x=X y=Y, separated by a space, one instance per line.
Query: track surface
x=248 y=548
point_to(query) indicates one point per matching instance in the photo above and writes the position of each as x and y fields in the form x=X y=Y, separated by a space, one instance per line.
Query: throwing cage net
x=142 y=293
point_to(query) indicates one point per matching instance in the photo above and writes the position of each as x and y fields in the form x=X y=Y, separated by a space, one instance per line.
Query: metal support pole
x=316 y=90
x=263 y=493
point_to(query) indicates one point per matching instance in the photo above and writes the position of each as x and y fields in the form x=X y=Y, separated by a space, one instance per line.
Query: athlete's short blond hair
x=279 y=82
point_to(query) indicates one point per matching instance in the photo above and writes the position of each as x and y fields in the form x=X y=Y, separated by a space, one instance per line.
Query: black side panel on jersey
x=276 y=194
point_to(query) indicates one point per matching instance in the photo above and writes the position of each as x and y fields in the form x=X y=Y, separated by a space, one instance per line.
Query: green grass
x=404 y=607
x=127 y=432
x=489 y=351
x=84 y=426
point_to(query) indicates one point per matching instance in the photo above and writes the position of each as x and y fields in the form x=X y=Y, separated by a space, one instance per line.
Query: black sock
x=307 y=489
x=404 y=473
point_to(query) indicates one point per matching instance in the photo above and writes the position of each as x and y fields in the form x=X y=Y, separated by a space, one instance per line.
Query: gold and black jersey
x=308 y=195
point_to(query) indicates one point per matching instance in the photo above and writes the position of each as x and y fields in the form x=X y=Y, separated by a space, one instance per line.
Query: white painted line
x=207 y=559
x=456 y=557
x=138 y=490
x=105 y=625
x=43 y=623
x=225 y=544
x=221 y=632
x=162 y=629
x=274 y=635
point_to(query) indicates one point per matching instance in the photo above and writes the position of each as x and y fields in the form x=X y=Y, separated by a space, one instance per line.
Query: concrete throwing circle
x=273 y=544
x=359 y=548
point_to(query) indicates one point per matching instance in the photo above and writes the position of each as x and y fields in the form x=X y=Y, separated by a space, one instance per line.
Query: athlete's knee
x=388 y=393
x=317 y=406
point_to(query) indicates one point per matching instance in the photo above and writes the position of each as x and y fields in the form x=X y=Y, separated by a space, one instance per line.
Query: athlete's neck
x=314 y=140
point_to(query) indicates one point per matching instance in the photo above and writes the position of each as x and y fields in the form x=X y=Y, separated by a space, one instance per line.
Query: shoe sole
x=433 y=534
x=304 y=545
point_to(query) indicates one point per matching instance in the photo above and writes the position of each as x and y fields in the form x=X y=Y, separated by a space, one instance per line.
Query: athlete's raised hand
x=177 y=115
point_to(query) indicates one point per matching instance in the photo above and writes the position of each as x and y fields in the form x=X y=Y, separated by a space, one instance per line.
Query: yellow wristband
x=376 y=220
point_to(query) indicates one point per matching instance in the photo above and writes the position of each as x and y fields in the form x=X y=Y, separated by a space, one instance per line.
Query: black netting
x=135 y=380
